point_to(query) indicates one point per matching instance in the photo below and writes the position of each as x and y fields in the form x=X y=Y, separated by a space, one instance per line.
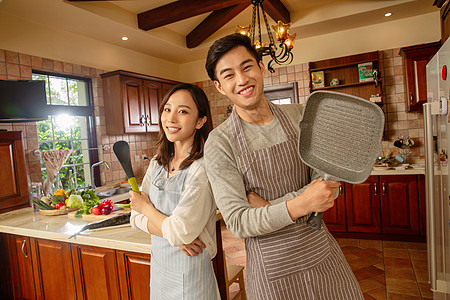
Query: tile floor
x=385 y=269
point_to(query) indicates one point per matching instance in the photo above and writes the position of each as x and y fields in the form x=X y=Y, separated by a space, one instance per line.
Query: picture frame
x=317 y=79
x=365 y=72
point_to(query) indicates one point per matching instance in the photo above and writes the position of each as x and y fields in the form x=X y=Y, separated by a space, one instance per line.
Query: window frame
x=281 y=91
x=86 y=111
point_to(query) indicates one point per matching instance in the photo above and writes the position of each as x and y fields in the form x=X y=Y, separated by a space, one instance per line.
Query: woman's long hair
x=165 y=148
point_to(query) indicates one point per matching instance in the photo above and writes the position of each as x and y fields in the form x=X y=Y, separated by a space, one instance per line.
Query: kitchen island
x=39 y=261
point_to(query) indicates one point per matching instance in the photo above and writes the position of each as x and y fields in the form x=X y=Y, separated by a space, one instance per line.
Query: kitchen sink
x=113 y=192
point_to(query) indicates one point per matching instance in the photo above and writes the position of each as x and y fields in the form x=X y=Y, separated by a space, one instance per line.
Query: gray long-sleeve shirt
x=227 y=181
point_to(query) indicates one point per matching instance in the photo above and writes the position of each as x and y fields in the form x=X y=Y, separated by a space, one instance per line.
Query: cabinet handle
x=23 y=248
x=376 y=189
x=411 y=97
x=148 y=120
x=340 y=190
x=141 y=121
x=383 y=188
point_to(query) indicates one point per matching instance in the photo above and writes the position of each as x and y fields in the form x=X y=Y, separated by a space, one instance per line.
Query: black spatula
x=122 y=151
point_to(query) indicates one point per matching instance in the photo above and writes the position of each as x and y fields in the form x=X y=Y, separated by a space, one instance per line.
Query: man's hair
x=225 y=44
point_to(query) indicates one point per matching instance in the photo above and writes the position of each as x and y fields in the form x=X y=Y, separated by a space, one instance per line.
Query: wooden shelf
x=329 y=87
x=345 y=69
x=341 y=66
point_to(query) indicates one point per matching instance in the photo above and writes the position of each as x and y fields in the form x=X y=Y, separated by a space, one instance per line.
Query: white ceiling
x=108 y=21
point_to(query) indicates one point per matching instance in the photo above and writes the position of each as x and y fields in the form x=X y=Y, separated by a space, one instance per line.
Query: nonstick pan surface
x=340 y=136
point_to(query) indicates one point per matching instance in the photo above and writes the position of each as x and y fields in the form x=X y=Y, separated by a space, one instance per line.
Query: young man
x=263 y=190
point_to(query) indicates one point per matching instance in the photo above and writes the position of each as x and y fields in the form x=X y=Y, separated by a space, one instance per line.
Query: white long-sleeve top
x=195 y=214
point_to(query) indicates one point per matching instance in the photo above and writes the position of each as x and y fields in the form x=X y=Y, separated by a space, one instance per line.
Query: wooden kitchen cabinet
x=415 y=59
x=400 y=204
x=335 y=217
x=363 y=206
x=52 y=268
x=21 y=263
x=13 y=177
x=382 y=207
x=95 y=272
x=131 y=101
x=134 y=274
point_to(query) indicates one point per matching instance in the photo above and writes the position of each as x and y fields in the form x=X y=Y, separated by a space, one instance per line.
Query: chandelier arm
x=252 y=29
x=259 y=24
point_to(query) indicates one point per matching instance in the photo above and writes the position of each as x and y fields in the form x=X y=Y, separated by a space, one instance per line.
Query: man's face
x=241 y=78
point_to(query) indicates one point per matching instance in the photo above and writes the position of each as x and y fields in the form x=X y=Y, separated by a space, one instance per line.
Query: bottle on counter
x=35 y=194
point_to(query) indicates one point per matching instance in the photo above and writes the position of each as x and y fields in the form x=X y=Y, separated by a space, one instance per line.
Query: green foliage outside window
x=66 y=131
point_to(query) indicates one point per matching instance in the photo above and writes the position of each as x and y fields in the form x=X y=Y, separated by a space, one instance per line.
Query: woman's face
x=179 y=118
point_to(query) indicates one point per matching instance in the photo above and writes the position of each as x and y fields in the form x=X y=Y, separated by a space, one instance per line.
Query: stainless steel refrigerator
x=437 y=144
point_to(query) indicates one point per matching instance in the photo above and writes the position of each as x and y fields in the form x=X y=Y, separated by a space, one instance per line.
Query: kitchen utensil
x=122 y=151
x=340 y=136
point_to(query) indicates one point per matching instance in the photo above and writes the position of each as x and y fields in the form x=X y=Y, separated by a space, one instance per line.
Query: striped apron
x=295 y=262
x=173 y=274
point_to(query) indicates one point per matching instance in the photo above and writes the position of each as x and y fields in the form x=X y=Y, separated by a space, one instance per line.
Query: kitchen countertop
x=408 y=171
x=59 y=228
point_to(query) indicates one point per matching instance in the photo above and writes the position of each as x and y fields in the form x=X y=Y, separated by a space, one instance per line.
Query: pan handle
x=315 y=220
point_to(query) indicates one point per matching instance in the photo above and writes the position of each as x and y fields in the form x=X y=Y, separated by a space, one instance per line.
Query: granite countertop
x=59 y=228
x=392 y=171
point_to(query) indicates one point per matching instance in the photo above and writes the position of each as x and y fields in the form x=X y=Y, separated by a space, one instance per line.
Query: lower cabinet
x=45 y=269
x=382 y=206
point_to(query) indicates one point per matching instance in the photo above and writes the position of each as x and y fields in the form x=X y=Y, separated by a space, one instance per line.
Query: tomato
x=97 y=210
x=106 y=210
x=59 y=205
x=106 y=203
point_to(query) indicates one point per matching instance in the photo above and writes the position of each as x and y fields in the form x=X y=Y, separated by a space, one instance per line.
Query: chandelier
x=280 y=55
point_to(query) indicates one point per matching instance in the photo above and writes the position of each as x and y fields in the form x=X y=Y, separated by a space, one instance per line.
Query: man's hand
x=194 y=248
x=318 y=197
x=256 y=201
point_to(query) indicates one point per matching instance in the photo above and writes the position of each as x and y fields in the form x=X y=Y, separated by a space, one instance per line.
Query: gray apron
x=173 y=274
x=295 y=262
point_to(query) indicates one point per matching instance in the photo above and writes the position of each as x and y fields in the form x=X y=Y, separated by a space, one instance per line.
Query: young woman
x=176 y=205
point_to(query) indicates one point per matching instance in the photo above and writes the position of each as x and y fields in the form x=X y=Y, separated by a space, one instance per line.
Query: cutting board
x=93 y=217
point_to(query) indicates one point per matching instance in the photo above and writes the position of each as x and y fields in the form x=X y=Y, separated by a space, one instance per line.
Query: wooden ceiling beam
x=277 y=11
x=180 y=10
x=212 y=23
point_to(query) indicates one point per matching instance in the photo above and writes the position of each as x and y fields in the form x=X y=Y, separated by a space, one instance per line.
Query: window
x=282 y=93
x=70 y=125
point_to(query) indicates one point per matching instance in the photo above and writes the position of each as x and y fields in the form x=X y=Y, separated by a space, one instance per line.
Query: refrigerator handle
x=430 y=194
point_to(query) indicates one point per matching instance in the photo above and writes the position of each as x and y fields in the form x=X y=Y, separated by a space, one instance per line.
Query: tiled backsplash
x=15 y=65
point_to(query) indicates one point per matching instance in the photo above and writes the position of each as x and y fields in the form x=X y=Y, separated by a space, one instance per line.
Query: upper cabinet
x=13 y=177
x=415 y=59
x=132 y=100
x=357 y=75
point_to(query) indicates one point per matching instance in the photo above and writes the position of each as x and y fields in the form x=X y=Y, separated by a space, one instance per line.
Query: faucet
x=92 y=172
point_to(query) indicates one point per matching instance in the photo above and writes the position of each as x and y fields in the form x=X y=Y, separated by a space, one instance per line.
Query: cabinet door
x=415 y=59
x=95 y=272
x=52 y=268
x=13 y=177
x=134 y=110
x=134 y=275
x=422 y=204
x=334 y=217
x=399 y=204
x=363 y=206
x=153 y=97
x=22 y=267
